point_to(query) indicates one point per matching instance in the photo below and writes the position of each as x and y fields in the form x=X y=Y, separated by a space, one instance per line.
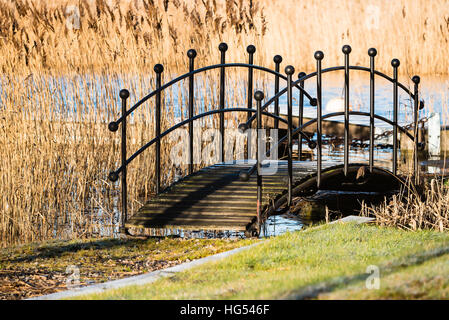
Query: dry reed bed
x=414 y=209
x=128 y=36
x=56 y=153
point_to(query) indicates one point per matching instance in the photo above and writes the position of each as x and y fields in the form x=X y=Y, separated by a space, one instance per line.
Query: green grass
x=283 y=266
x=429 y=280
x=40 y=268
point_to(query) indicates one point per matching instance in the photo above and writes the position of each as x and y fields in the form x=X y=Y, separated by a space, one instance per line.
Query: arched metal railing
x=319 y=55
x=260 y=110
x=158 y=68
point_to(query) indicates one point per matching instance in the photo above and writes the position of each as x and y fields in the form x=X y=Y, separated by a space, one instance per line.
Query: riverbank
x=43 y=268
x=307 y=264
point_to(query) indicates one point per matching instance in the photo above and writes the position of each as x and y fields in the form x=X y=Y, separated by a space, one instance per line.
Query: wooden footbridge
x=239 y=195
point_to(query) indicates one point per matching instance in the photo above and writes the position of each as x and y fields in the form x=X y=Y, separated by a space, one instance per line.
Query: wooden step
x=190 y=216
x=216 y=196
x=213 y=198
x=204 y=224
x=186 y=202
x=197 y=210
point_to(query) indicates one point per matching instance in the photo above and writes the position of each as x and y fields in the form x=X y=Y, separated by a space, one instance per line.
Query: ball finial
x=124 y=94
x=395 y=63
x=312 y=145
x=301 y=75
x=259 y=95
x=223 y=47
x=113 y=126
x=289 y=70
x=113 y=176
x=372 y=52
x=346 y=49
x=416 y=79
x=319 y=55
x=421 y=146
x=158 y=68
x=191 y=53
x=313 y=102
x=244 y=176
x=243 y=127
x=251 y=49
x=277 y=59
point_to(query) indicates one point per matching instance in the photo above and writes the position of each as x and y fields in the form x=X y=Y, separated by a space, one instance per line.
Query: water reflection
x=277 y=225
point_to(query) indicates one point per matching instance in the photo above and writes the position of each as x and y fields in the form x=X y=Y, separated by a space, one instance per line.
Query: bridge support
x=124 y=95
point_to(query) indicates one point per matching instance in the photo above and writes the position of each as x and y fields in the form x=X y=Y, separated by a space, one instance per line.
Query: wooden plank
x=229 y=184
x=197 y=211
x=221 y=198
x=219 y=194
x=236 y=201
x=182 y=214
x=193 y=217
x=197 y=206
x=195 y=225
x=213 y=198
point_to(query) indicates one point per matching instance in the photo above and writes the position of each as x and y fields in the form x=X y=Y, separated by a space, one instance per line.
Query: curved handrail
x=245 y=125
x=331 y=115
x=184 y=122
x=356 y=113
x=360 y=68
x=336 y=114
x=215 y=66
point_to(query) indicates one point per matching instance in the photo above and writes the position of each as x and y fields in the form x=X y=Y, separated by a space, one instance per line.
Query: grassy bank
x=43 y=268
x=286 y=266
x=428 y=280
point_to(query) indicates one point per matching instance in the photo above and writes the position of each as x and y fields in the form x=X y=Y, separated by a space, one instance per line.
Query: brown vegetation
x=118 y=35
x=414 y=209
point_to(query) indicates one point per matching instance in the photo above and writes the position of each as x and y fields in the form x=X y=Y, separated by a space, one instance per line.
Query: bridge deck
x=214 y=198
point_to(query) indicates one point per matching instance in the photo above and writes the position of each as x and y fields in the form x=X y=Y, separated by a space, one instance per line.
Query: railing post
x=395 y=64
x=191 y=54
x=259 y=95
x=416 y=80
x=289 y=70
x=223 y=47
x=346 y=50
x=372 y=52
x=277 y=64
x=300 y=112
x=158 y=68
x=319 y=55
x=124 y=94
x=251 y=50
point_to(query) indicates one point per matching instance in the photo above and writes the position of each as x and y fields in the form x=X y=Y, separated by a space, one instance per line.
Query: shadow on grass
x=56 y=250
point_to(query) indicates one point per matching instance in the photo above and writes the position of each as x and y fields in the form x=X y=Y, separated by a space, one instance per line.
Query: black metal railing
x=157 y=93
x=256 y=114
x=319 y=56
